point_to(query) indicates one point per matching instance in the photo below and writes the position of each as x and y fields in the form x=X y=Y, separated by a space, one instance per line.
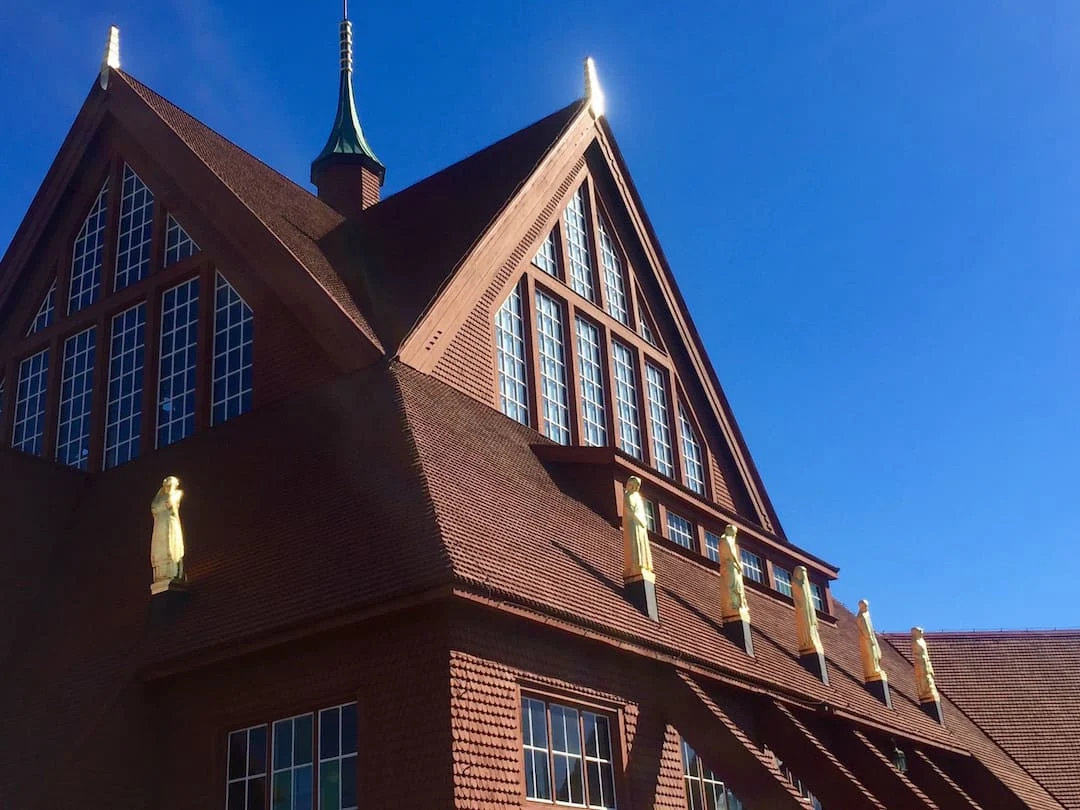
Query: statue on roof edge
x=636 y=550
x=869 y=649
x=167 y=540
x=732 y=589
x=925 y=684
x=806 y=621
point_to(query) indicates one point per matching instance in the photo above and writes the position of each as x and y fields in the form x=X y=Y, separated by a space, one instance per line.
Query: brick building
x=403 y=429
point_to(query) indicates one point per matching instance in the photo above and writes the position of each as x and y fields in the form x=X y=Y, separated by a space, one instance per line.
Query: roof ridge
x=1026 y=632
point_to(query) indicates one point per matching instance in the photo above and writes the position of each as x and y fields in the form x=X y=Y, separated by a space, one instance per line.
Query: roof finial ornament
x=111 y=59
x=594 y=93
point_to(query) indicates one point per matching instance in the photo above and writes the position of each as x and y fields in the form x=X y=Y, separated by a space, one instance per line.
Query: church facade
x=451 y=508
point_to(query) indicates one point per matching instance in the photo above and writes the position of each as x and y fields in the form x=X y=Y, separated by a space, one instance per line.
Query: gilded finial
x=111 y=59
x=594 y=93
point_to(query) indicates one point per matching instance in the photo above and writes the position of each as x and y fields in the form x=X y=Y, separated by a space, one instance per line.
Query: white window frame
x=343 y=759
x=547 y=257
x=136 y=226
x=293 y=767
x=590 y=349
x=614 y=276
x=248 y=775
x=578 y=247
x=88 y=254
x=681 y=531
x=44 y=317
x=512 y=368
x=33 y=372
x=753 y=566
x=75 y=411
x=554 y=393
x=124 y=368
x=178 y=245
x=172 y=429
x=692 y=457
x=232 y=360
x=659 y=420
x=627 y=417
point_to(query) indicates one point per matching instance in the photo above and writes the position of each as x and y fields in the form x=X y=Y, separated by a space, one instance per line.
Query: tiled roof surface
x=412 y=242
x=513 y=531
x=294 y=215
x=1023 y=689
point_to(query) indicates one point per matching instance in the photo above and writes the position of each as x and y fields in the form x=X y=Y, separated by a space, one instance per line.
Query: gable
x=571 y=256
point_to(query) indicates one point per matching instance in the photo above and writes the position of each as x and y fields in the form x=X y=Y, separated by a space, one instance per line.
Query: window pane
x=238 y=755
x=626 y=399
x=614 y=286
x=283 y=739
x=783 y=580
x=510 y=348
x=348 y=783
x=176 y=377
x=693 y=466
x=237 y=793
x=233 y=320
x=329 y=739
x=330 y=785
x=302 y=792
x=577 y=243
x=28 y=432
x=178 y=245
x=257 y=750
x=549 y=339
x=256 y=793
x=123 y=411
x=76 y=400
x=542 y=775
x=817 y=596
x=681 y=531
x=591 y=374
x=44 y=317
x=136 y=228
x=87 y=255
x=546 y=258
x=302 y=739
x=348 y=729
x=659 y=423
x=752 y=566
x=712 y=546
x=281 y=794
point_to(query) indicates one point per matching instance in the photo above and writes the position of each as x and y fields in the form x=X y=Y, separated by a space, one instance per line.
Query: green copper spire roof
x=346 y=137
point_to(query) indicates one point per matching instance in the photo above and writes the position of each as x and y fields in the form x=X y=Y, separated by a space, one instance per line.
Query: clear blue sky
x=874 y=215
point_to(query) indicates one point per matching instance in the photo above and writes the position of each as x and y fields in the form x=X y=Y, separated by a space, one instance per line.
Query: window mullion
x=204 y=347
x=550 y=752
x=532 y=354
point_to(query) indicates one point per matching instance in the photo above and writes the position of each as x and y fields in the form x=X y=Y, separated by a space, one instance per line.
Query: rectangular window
x=123 y=412
x=246 y=780
x=681 y=531
x=593 y=413
x=704 y=789
x=577 y=244
x=783 y=580
x=817 y=596
x=136 y=228
x=292 y=778
x=44 y=317
x=626 y=402
x=337 y=758
x=712 y=546
x=176 y=369
x=233 y=325
x=658 y=420
x=28 y=433
x=614 y=286
x=797 y=783
x=650 y=516
x=178 y=245
x=752 y=566
x=510 y=347
x=547 y=257
x=87 y=255
x=574 y=765
x=549 y=344
x=693 y=468
x=76 y=400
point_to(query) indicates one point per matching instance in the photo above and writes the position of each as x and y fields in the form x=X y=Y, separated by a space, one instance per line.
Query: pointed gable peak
x=347 y=167
x=111 y=58
x=594 y=93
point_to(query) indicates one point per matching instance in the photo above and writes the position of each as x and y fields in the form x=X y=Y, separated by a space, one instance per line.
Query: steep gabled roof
x=409 y=245
x=1022 y=687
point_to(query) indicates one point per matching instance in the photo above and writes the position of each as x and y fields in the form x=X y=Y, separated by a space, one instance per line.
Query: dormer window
x=782 y=578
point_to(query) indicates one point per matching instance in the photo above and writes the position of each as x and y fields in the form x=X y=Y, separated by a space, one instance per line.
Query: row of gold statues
x=734 y=606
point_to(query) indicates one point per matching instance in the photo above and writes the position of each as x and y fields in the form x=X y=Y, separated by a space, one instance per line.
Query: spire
x=111 y=59
x=346 y=144
x=594 y=93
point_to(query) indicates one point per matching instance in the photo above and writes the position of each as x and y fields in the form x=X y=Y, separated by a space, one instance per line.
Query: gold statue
x=732 y=590
x=869 y=650
x=637 y=552
x=924 y=670
x=806 y=622
x=167 y=541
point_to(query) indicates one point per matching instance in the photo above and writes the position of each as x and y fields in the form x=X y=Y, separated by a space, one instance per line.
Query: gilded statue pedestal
x=737 y=630
x=814 y=662
x=880 y=690
x=641 y=591
x=933 y=710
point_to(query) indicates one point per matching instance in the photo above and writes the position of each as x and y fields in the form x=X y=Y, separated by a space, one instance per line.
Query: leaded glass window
x=693 y=468
x=88 y=254
x=28 y=433
x=337 y=758
x=233 y=346
x=44 y=317
x=178 y=245
x=704 y=789
x=575 y=763
x=783 y=580
x=577 y=244
x=123 y=410
x=510 y=348
x=659 y=422
x=176 y=367
x=626 y=401
x=136 y=230
x=76 y=399
x=591 y=376
x=614 y=285
x=752 y=566
x=292 y=776
x=681 y=531
x=547 y=258
x=246 y=775
x=549 y=342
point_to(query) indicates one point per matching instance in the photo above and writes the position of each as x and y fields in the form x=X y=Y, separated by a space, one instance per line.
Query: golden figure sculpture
x=167 y=541
x=636 y=549
x=732 y=590
x=869 y=649
x=924 y=670
x=806 y=622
